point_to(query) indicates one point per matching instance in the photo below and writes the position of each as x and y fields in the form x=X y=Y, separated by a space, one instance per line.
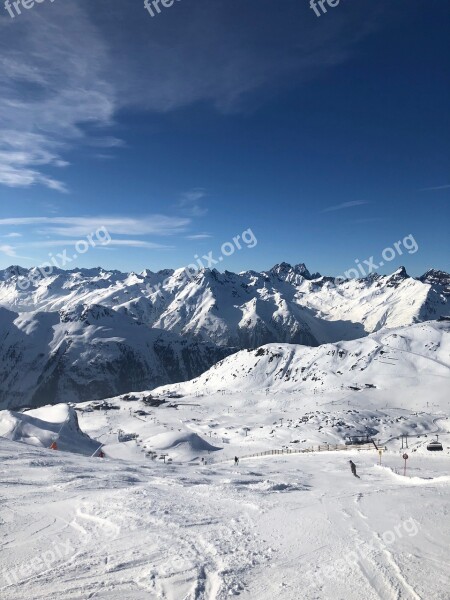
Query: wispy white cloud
x=438 y=187
x=190 y=203
x=199 y=236
x=65 y=232
x=22 y=154
x=50 y=207
x=62 y=75
x=81 y=226
x=8 y=250
x=98 y=244
x=140 y=244
x=344 y=205
x=106 y=142
x=11 y=251
x=227 y=61
x=51 y=67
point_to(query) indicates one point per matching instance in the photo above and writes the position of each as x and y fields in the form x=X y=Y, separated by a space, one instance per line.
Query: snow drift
x=43 y=426
x=183 y=445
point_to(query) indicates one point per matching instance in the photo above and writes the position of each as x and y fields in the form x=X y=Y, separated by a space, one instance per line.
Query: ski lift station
x=358 y=440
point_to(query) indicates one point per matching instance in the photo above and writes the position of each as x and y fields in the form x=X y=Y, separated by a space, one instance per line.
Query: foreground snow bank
x=44 y=426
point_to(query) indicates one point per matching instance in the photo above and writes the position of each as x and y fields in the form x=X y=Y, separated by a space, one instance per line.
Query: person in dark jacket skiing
x=236 y=460
x=353 y=468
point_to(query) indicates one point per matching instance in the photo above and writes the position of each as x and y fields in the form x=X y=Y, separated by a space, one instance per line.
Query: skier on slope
x=353 y=468
x=236 y=460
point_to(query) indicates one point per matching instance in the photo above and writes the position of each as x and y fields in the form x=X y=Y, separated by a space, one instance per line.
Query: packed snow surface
x=295 y=526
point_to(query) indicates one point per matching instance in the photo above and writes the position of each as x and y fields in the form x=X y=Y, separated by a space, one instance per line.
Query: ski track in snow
x=274 y=527
x=435 y=360
x=193 y=555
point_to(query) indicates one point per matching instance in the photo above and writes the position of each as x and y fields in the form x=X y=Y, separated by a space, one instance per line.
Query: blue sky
x=327 y=137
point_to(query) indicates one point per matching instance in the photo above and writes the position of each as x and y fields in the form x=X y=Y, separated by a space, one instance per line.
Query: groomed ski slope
x=296 y=526
x=292 y=527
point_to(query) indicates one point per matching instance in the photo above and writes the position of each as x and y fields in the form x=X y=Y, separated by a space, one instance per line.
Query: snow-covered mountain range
x=84 y=352
x=90 y=334
x=245 y=310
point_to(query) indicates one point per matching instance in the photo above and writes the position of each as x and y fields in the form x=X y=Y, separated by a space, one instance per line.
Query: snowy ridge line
x=244 y=310
x=320 y=448
x=347 y=365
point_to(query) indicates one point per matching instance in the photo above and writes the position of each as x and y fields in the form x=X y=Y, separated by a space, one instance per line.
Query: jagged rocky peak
x=435 y=277
x=282 y=268
x=89 y=272
x=397 y=277
x=164 y=272
x=301 y=269
x=285 y=270
x=209 y=276
x=400 y=272
x=146 y=273
x=14 y=271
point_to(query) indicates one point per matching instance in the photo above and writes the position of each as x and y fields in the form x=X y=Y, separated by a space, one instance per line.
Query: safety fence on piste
x=318 y=448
